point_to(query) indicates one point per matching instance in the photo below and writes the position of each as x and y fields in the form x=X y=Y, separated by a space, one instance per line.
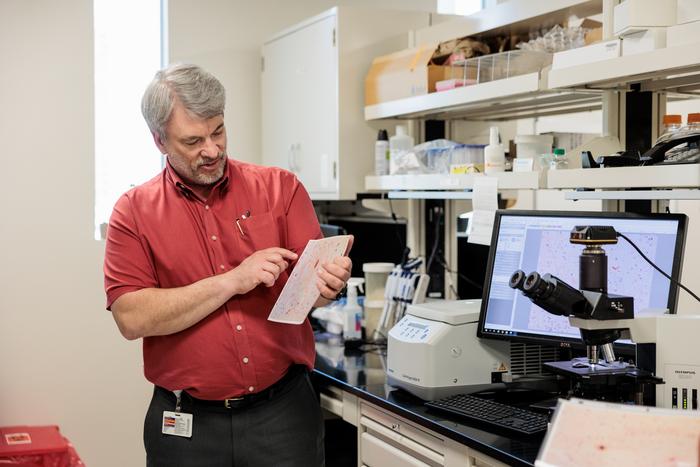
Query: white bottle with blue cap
x=352 y=311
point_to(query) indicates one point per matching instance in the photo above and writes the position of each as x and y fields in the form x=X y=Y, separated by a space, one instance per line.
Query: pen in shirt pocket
x=243 y=217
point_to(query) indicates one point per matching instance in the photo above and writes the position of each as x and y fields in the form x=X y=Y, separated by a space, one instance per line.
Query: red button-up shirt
x=163 y=235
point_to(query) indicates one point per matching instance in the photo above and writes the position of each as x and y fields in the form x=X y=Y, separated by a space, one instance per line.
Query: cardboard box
x=588 y=54
x=403 y=74
x=644 y=41
x=687 y=11
x=632 y=16
x=593 y=36
x=683 y=34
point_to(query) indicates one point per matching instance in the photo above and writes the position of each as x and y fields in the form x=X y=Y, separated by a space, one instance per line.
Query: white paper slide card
x=300 y=292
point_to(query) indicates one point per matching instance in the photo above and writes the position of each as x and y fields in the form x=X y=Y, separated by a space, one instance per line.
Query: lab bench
x=394 y=428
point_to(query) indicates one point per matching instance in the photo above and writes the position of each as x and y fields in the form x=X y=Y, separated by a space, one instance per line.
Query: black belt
x=243 y=401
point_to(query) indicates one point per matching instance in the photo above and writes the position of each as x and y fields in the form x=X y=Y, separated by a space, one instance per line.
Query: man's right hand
x=262 y=267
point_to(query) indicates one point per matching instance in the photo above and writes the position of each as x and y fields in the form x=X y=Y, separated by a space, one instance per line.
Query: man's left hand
x=333 y=276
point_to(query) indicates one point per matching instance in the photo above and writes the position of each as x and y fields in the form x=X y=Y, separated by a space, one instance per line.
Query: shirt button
x=213 y=237
x=206 y=206
x=222 y=266
x=245 y=359
x=239 y=327
x=251 y=389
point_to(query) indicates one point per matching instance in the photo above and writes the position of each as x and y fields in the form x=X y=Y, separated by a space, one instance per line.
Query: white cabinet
x=387 y=439
x=313 y=95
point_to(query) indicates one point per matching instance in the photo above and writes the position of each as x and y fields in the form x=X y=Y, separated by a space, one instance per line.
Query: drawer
x=399 y=427
x=340 y=403
x=378 y=453
x=331 y=404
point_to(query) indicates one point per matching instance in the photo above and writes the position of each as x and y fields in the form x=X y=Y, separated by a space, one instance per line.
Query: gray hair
x=200 y=92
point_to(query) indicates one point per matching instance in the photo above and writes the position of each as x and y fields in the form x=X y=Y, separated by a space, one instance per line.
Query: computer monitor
x=539 y=241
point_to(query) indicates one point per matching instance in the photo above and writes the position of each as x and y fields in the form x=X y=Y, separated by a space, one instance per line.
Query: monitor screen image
x=539 y=241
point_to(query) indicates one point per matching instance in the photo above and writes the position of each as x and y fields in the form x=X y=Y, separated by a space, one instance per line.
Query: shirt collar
x=181 y=186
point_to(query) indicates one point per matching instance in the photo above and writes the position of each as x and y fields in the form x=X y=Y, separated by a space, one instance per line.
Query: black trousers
x=286 y=430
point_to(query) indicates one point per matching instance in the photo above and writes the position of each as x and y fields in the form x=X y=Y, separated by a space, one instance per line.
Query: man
x=195 y=259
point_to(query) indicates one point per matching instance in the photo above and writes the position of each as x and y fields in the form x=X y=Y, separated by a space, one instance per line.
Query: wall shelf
x=433 y=182
x=656 y=70
x=662 y=176
x=523 y=96
x=553 y=92
x=630 y=195
x=430 y=194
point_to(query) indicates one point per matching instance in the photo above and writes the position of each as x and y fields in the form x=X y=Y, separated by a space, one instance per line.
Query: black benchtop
x=363 y=375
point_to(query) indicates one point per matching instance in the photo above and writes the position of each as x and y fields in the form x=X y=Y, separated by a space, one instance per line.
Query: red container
x=36 y=446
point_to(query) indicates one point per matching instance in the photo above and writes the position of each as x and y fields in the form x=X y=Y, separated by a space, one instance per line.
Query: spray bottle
x=494 y=154
x=352 y=311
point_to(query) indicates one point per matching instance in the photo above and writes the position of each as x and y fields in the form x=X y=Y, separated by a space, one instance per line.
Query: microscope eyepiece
x=533 y=282
x=517 y=280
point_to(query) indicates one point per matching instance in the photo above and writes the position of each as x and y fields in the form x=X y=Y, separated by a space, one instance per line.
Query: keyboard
x=492 y=414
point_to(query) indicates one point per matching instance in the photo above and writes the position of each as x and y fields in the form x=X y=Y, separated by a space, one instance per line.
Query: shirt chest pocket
x=258 y=232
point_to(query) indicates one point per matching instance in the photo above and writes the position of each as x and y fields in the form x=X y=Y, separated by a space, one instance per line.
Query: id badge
x=177 y=424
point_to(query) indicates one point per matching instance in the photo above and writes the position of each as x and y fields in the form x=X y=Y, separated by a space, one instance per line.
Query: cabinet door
x=300 y=104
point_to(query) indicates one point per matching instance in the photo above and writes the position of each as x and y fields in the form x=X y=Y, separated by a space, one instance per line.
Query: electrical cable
x=438 y=215
x=471 y=282
x=673 y=281
x=451 y=285
x=405 y=252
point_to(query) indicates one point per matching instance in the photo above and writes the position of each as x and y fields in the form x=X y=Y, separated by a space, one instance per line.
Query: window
x=129 y=49
x=459 y=7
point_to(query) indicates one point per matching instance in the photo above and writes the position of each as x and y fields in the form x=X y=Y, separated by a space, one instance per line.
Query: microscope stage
x=581 y=369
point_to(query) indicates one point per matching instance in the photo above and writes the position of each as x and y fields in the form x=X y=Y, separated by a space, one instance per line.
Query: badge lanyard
x=177 y=423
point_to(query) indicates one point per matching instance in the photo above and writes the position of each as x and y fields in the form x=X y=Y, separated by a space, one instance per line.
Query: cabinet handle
x=292 y=157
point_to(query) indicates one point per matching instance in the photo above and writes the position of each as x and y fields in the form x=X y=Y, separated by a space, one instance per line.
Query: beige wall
x=62 y=360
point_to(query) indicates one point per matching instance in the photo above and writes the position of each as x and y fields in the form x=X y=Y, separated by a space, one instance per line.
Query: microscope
x=667 y=349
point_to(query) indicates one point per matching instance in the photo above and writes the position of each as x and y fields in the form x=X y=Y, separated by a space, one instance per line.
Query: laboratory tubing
x=494 y=155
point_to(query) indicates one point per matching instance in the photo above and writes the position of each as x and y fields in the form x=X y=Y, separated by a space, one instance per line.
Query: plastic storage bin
x=467 y=158
x=437 y=160
x=498 y=66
